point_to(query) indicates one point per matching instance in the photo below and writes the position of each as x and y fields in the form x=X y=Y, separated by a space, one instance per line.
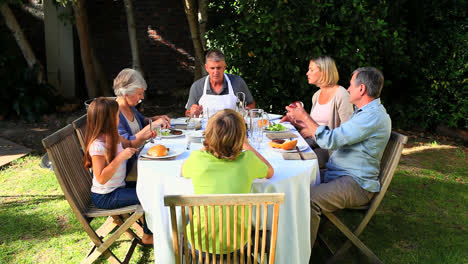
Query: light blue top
x=358 y=145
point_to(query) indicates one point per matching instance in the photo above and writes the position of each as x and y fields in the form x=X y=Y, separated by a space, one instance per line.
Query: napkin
x=296 y=156
x=281 y=135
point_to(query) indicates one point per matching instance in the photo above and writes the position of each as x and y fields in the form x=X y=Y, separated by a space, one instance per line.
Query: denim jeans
x=119 y=197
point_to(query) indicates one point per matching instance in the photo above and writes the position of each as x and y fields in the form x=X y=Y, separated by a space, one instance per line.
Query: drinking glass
x=192 y=123
x=240 y=103
x=205 y=116
x=257 y=125
x=158 y=130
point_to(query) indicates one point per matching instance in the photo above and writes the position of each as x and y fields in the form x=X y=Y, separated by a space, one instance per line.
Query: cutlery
x=151 y=129
x=188 y=144
x=300 y=153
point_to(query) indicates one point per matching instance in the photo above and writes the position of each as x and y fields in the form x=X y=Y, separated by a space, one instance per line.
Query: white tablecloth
x=157 y=178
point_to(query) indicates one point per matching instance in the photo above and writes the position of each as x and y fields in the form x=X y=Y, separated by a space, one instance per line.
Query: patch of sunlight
x=407 y=151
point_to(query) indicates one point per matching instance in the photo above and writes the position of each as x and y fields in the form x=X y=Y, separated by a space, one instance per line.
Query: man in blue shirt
x=351 y=178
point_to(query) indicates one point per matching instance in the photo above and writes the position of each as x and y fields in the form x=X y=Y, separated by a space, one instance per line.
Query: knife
x=300 y=153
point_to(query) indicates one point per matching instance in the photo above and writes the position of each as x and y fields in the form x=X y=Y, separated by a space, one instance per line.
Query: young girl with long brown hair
x=107 y=153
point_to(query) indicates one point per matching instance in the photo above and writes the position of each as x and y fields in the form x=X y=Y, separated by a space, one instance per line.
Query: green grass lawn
x=422 y=219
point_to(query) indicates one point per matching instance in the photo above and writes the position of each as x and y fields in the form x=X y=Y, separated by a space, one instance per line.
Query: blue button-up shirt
x=358 y=145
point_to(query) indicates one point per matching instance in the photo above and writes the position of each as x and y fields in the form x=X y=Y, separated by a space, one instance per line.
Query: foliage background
x=420 y=46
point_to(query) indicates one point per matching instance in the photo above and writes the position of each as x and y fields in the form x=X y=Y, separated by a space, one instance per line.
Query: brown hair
x=102 y=122
x=225 y=134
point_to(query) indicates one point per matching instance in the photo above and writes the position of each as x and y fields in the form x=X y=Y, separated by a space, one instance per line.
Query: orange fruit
x=263 y=122
x=289 y=145
x=274 y=144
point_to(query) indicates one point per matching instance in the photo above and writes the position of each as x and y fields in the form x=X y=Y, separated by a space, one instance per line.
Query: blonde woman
x=330 y=104
x=222 y=166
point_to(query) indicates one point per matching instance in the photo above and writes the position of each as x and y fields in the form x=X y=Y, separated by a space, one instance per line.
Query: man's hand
x=196 y=110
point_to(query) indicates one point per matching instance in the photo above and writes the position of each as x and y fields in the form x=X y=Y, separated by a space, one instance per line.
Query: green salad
x=276 y=127
x=165 y=132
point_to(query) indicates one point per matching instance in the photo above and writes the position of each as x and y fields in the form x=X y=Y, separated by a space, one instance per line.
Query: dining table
x=162 y=176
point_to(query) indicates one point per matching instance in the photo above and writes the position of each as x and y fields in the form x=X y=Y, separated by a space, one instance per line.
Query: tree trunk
x=21 y=40
x=94 y=74
x=202 y=20
x=132 y=36
x=190 y=11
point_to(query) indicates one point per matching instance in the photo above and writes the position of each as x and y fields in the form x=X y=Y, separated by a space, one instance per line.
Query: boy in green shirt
x=222 y=167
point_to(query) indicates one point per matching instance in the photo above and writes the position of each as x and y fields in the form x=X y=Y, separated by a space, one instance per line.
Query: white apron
x=214 y=103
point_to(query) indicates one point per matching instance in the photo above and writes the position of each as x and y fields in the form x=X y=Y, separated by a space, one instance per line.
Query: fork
x=151 y=129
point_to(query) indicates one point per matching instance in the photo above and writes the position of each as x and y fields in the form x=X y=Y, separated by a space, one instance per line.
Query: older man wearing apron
x=218 y=90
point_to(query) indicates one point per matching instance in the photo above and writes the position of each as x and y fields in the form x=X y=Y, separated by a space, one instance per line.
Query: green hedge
x=423 y=56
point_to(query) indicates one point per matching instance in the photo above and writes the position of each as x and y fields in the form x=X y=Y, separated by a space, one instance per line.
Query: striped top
x=98 y=148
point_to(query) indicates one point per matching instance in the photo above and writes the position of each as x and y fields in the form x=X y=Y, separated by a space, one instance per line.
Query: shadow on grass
x=34 y=217
x=442 y=162
x=422 y=219
x=26 y=199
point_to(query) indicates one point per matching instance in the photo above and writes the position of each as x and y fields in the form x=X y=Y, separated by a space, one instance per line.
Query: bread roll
x=158 y=151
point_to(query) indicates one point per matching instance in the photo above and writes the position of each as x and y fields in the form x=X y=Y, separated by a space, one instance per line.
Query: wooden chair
x=67 y=160
x=80 y=128
x=237 y=203
x=389 y=162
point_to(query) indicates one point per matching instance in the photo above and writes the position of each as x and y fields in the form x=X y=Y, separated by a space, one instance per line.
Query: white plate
x=173 y=136
x=301 y=148
x=179 y=121
x=173 y=152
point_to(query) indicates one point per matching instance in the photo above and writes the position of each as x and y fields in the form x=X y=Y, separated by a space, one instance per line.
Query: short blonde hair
x=127 y=82
x=225 y=134
x=328 y=68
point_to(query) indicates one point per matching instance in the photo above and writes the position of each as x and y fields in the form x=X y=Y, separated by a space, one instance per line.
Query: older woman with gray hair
x=129 y=87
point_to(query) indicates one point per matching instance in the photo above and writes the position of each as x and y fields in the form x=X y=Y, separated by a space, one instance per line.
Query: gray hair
x=214 y=55
x=127 y=82
x=372 y=78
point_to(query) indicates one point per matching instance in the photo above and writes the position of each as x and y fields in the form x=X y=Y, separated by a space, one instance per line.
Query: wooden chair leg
x=120 y=220
x=353 y=238
x=101 y=249
x=130 y=251
x=107 y=227
x=92 y=256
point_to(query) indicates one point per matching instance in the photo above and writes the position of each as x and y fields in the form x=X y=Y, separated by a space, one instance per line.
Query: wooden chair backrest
x=239 y=203
x=80 y=128
x=388 y=164
x=67 y=160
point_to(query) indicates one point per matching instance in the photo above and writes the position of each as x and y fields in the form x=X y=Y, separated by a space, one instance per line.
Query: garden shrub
x=269 y=43
x=20 y=94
